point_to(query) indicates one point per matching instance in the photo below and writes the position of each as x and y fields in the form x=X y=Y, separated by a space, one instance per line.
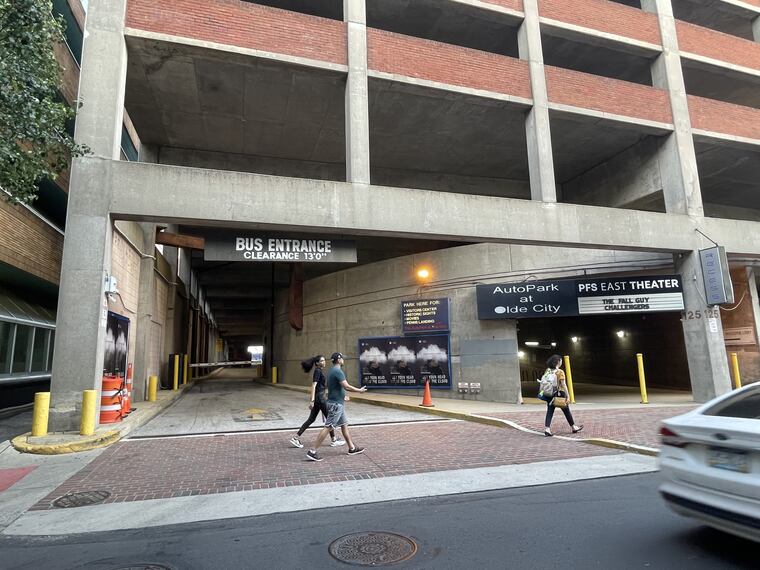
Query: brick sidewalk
x=165 y=468
x=639 y=426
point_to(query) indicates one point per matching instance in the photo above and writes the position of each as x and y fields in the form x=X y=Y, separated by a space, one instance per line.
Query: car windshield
x=745 y=405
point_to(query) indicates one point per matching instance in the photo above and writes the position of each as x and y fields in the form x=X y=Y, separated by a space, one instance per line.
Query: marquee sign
x=573 y=297
x=278 y=247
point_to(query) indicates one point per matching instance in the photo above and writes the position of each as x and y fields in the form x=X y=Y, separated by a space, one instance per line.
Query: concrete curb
x=487 y=420
x=86 y=443
x=79 y=443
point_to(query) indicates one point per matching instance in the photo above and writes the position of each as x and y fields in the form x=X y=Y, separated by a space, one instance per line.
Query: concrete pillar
x=357 y=94
x=703 y=333
x=678 y=160
x=538 y=133
x=754 y=297
x=82 y=305
x=756 y=29
x=145 y=309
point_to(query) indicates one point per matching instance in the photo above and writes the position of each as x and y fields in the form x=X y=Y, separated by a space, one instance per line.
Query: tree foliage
x=34 y=143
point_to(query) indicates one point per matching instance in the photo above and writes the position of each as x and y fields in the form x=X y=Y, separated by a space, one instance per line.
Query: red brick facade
x=717 y=45
x=245 y=25
x=604 y=16
x=727 y=118
x=512 y=4
x=608 y=95
x=444 y=63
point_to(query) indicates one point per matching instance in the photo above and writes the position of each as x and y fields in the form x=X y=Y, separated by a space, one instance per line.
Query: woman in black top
x=318 y=401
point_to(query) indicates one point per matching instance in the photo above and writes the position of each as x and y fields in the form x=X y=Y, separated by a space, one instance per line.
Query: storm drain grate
x=373 y=548
x=82 y=499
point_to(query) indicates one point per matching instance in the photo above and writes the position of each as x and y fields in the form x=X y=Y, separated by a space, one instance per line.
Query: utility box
x=474 y=387
x=463 y=387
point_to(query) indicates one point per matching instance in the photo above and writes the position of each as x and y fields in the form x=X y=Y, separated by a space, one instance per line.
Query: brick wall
x=434 y=61
x=28 y=243
x=604 y=16
x=578 y=89
x=727 y=118
x=242 y=24
x=717 y=45
x=125 y=266
x=512 y=4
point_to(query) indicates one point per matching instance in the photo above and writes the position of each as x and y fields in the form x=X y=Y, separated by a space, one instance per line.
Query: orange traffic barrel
x=111 y=399
x=126 y=405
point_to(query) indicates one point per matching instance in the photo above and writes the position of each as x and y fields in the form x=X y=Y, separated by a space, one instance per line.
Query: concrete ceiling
x=728 y=175
x=717 y=83
x=186 y=97
x=419 y=129
x=448 y=22
x=580 y=143
x=716 y=15
x=596 y=59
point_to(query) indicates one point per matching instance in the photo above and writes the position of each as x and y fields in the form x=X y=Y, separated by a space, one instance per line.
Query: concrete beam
x=148 y=192
x=357 y=94
x=678 y=160
x=537 y=125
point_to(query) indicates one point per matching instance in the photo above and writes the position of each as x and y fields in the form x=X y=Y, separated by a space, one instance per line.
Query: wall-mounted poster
x=117 y=344
x=405 y=362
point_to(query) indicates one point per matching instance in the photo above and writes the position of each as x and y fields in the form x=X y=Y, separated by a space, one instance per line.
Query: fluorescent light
x=531 y=343
x=554 y=344
x=574 y=338
x=620 y=334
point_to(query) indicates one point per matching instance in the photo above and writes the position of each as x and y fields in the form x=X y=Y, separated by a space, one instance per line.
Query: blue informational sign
x=425 y=315
x=405 y=362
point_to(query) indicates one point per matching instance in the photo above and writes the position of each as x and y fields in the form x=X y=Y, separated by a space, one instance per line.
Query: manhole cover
x=81 y=499
x=373 y=548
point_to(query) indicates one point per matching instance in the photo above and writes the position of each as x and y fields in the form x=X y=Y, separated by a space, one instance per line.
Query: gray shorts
x=336 y=414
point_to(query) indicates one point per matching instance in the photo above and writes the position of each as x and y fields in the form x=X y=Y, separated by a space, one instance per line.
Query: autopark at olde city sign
x=573 y=297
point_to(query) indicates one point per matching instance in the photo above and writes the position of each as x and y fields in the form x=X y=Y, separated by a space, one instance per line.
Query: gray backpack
x=547 y=385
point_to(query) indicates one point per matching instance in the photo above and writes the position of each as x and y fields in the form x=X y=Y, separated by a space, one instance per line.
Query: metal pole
x=175 y=379
x=89 y=407
x=152 y=388
x=569 y=376
x=735 y=369
x=40 y=414
x=642 y=378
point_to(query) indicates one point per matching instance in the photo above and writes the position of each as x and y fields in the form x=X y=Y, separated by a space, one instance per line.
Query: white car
x=710 y=462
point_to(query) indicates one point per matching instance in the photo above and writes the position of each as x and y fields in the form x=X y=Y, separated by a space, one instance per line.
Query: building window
x=6 y=345
x=21 y=349
x=40 y=350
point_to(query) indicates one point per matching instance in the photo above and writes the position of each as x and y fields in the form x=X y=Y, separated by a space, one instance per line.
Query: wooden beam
x=180 y=240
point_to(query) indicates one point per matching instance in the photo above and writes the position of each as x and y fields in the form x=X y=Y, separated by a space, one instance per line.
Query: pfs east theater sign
x=273 y=247
x=573 y=297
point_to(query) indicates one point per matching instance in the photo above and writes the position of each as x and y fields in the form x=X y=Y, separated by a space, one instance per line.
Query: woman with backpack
x=318 y=400
x=553 y=385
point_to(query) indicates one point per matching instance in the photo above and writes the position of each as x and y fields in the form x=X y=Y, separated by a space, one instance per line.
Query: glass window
x=50 y=351
x=745 y=405
x=6 y=338
x=39 y=352
x=21 y=348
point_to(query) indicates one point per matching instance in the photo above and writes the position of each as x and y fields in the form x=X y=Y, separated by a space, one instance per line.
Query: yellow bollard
x=735 y=368
x=40 y=414
x=642 y=378
x=175 y=380
x=89 y=407
x=152 y=388
x=274 y=375
x=569 y=377
x=186 y=361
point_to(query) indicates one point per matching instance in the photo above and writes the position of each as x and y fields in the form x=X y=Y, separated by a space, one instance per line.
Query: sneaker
x=337 y=443
x=295 y=442
x=579 y=428
x=356 y=451
x=548 y=433
x=312 y=455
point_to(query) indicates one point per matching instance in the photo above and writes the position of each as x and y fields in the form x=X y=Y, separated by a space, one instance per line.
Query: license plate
x=728 y=459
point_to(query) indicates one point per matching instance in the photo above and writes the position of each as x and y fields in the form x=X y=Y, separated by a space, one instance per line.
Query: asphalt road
x=615 y=523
